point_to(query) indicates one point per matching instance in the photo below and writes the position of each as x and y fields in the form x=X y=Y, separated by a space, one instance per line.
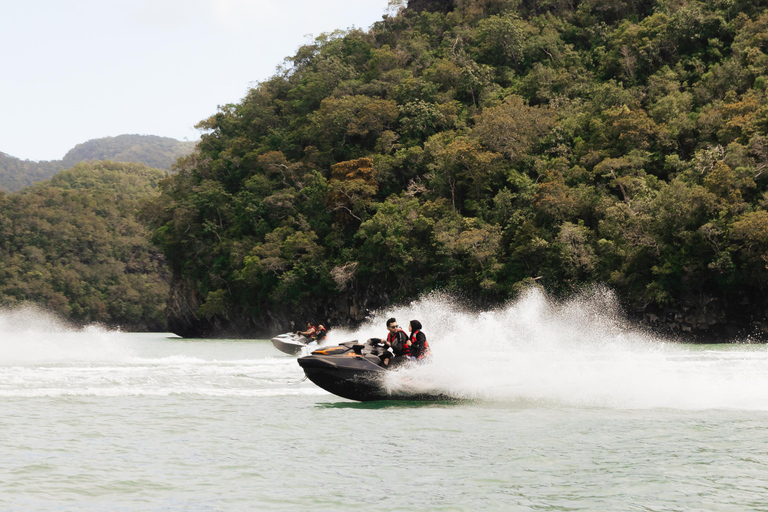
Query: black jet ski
x=355 y=371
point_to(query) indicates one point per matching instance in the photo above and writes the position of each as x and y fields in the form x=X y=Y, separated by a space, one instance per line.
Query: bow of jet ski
x=293 y=344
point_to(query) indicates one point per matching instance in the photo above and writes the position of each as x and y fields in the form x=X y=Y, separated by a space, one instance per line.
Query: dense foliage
x=75 y=245
x=150 y=150
x=482 y=149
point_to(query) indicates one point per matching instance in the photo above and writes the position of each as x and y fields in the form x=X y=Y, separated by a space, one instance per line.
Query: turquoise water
x=563 y=408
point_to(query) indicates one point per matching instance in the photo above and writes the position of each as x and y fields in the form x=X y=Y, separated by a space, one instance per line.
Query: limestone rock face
x=349 y=309
x=430 y=5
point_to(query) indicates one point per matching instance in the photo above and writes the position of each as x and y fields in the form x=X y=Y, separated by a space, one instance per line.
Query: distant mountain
x=16 y=174
x=150 y=150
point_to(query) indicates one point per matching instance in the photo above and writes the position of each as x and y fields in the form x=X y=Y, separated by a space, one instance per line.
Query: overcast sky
x=76 y=70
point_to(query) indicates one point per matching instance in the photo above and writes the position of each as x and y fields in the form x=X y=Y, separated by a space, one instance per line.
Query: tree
x=351 y=189
x=513 y=128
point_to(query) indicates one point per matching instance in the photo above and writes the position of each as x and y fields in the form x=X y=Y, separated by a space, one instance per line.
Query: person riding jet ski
x=418 y=342
x=398 y=343
x=309 y=333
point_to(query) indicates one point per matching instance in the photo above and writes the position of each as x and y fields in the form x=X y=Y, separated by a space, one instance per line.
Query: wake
x=534 y=351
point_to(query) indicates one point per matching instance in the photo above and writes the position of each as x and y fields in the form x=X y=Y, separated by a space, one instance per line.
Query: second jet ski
x=294 y=344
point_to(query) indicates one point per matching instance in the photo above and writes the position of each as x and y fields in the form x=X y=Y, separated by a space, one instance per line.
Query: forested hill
x=150 y=150
x=16 y=174
x=75 y=245
x=480 y=146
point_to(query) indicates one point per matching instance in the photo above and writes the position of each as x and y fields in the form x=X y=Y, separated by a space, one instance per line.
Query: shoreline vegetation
x=481 y=147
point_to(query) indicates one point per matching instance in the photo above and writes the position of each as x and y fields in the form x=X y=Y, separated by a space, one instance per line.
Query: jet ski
x=292 y=343
x=355 y=371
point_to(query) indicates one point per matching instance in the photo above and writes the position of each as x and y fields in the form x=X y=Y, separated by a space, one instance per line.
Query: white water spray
x=29 y=334
x=577 y=353
x=580 y=353
x=43 y=356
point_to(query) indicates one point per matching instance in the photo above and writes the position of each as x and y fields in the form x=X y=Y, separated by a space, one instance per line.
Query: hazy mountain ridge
x=16 y=173
x=151 y=150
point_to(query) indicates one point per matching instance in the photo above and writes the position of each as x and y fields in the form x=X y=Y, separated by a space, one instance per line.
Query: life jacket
x=398 y=343
x=419 y=349
x=311 y=331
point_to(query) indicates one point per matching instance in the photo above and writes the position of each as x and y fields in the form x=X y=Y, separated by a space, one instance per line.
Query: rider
x=320 y=333
x=399 y=343
x=310 y=332
x=418 y=340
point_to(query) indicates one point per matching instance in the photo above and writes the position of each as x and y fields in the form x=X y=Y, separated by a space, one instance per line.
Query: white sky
x=75 y=70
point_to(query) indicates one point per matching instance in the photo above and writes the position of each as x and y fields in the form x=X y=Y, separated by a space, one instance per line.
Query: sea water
x=562 y=406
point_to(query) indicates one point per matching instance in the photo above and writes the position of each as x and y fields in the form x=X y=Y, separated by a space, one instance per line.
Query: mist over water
x=566 y=406
x=43 y=356
x=32 y=335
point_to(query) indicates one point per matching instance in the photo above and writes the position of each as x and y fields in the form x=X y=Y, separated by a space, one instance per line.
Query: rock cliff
x=430 y=5
x=348 y=309
x=709 y=319
x=698 y=319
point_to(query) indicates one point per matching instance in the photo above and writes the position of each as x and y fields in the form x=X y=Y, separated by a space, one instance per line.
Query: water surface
x=564 y=408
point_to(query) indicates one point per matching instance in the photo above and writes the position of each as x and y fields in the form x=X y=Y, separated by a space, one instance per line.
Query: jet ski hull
x=291 y=344
x=360 y=385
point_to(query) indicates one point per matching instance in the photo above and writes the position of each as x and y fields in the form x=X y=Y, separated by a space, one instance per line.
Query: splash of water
x=43 y=356
x=581 y=352
x=577 y=353
x=30 y=334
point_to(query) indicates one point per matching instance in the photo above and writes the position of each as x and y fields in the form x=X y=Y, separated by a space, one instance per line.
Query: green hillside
x=150 y=150
x=74 y=245
x=16 y=174
x=480 y=146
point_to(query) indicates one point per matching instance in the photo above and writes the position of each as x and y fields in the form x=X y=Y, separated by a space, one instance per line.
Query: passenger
x=320 y=333
x=309 y=332
x=398 y=341
x=419 y=346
